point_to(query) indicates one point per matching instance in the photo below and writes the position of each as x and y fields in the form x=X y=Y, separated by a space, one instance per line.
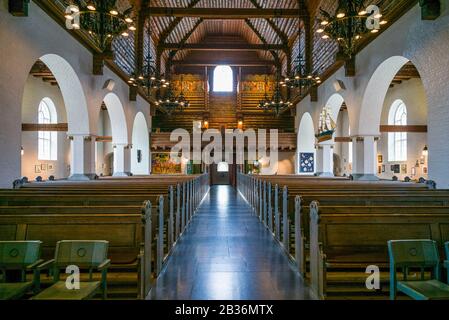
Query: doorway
x=220 y=173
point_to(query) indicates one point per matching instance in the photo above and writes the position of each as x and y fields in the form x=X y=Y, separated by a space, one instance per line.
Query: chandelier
x=149 y=79
x=101 y=19
x=276 y=103
x=300 y=78
x=170 y=102
x=350 y=24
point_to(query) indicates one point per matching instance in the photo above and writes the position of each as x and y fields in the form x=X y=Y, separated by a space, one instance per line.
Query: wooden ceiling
x=407 y=72
x=195 y=21
x=183 y=30
x=40 y=70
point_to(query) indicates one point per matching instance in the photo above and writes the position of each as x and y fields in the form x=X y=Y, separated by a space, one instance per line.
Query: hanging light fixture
x=276 y=103
x=170 y=102
x=149 y=79
x=263 y=104
x=349 y=25
x=101 y=20
x=300 y=78
x=425 y=151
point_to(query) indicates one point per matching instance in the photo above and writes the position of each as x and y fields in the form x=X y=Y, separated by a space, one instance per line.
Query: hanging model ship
x=326 y=127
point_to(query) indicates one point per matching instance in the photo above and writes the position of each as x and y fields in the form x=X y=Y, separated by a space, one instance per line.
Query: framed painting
x=306 y=162
x=403 y=168
x=380 y=158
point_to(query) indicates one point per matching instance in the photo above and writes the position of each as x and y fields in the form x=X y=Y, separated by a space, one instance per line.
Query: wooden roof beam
x=282 y=36
x=221 y=46
x=214 y=64
x=262 y=39
x=182 y=42
x=166 y=33
x=221 y=13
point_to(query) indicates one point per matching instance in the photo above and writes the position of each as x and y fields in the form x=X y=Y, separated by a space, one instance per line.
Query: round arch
x=72 y=92
x=334 y=103
x=306 y=145
x=140 y=157
x=118 y=119
x=375 y=93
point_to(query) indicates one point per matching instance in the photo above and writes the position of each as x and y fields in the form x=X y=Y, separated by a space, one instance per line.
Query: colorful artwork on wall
x=396 y=168
x=162 y=164
x=380 y=158
x=306 y=162
x=403 y=168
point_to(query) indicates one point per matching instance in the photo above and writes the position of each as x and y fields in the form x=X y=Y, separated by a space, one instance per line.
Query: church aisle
x=227 y=254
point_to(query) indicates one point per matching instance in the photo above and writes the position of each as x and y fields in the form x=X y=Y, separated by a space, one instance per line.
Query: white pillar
x=89 y=156
x=357 y=157
x=122 y=161
x=77 y=164
x=127 y=159
x=365 y=158
x=325 y=159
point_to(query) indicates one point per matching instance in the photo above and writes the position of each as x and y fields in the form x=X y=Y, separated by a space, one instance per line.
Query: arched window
x=223 y=79
x=222 y=167
x=47 y=140
x=397 y=141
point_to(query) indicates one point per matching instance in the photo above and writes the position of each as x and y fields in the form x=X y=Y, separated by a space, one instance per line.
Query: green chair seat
x=19 y=258
x=14 y=290
x=58 y=291
x=425 y=290
x=87 y=255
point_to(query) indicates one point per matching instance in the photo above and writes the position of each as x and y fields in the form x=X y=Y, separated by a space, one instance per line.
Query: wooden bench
x=275 y=204
x=358 y=240
x=289 y=220
x=140 y=238
x=124 y=231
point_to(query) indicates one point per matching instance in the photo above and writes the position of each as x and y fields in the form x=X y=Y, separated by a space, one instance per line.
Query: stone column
x=364 y=158
x=78 y=168
x=325 y=159
x=122 y=160
x=89 y=156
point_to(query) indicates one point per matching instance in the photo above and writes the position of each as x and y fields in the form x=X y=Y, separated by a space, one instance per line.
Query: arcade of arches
x=70 y=113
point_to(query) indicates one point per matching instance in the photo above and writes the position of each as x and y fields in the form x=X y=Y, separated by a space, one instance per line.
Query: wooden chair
x=421 y=254
x=84 y=254
x=19 y=256
x=446 y=262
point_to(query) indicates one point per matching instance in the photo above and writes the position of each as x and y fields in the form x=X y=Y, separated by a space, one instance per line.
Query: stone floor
x=227 y=254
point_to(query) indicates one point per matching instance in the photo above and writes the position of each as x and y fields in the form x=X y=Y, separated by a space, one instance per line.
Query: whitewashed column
x=325 y=159
x=364 y=150
x=77 y=162
x=121 y=151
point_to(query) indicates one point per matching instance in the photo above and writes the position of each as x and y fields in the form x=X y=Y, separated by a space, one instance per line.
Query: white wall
x=342 y=148
x=103 y=149
x=35 y=91
x=23 y=40
x=140 y=141
x=413 y=95
x=426 y=45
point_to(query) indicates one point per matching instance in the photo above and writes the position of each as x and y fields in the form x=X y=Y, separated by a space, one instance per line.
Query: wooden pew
x=293 y=226
x=358 y=240
x=140 y=238
x=130 y=235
